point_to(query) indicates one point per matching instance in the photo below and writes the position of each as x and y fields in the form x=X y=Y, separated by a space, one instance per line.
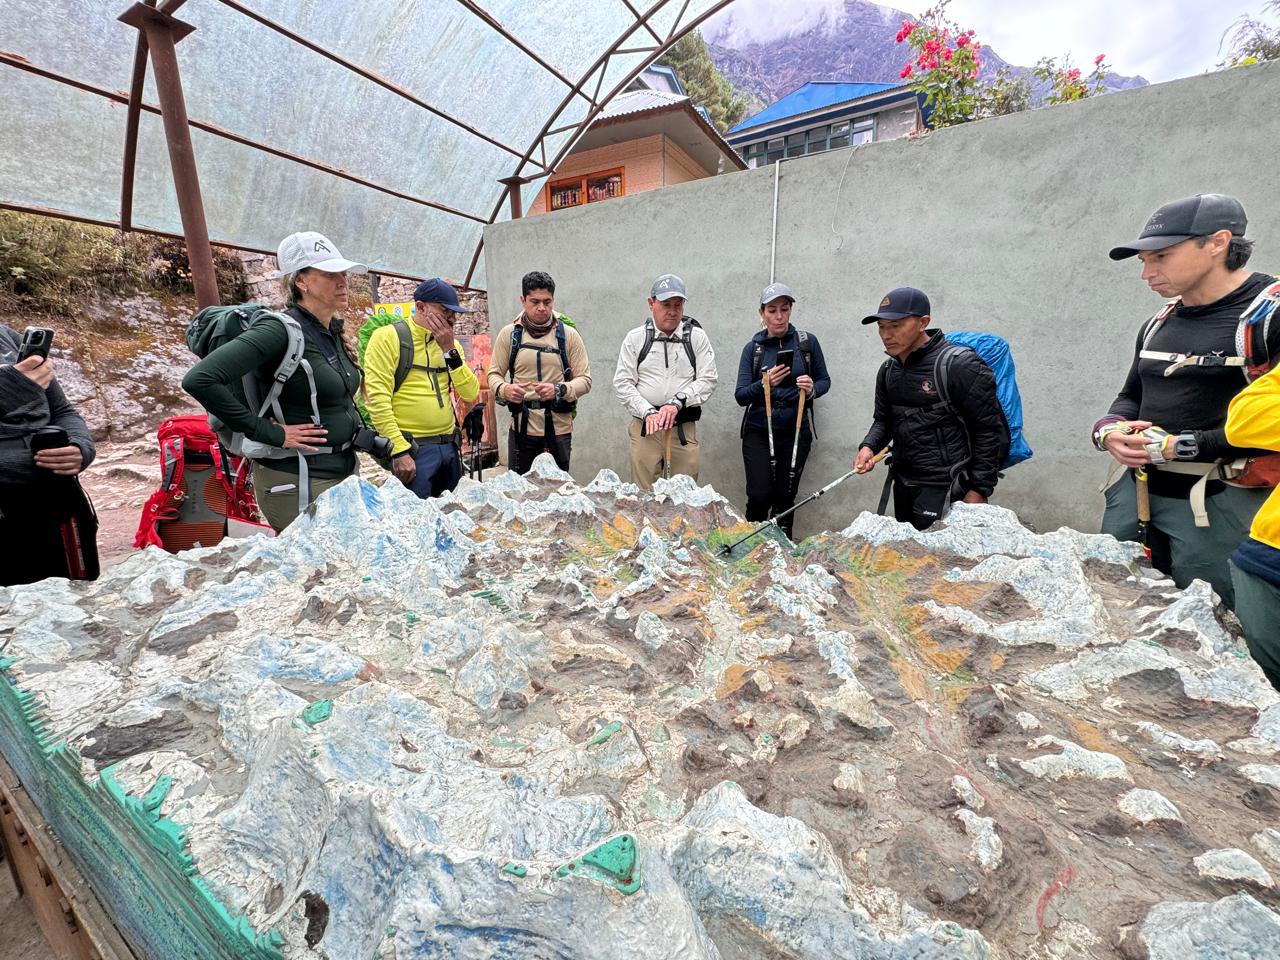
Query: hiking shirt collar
x=1240 y=297
x=533 y=329
x=925 y=351
x=764 y=336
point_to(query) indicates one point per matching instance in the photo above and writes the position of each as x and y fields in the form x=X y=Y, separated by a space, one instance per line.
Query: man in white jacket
x=666 y=372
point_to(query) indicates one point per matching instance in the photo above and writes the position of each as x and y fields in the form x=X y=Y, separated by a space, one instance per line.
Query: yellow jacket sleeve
x=1253 y=419
x=381 y=355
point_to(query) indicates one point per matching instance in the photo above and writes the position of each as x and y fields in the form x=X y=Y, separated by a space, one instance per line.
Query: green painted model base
x=138 y=862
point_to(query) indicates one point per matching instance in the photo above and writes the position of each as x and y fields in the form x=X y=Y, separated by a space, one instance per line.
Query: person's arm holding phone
x=36 y=370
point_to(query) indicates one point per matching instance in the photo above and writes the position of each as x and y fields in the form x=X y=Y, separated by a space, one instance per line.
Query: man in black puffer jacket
x=944 y=448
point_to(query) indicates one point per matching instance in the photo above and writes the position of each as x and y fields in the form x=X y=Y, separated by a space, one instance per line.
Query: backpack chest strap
x=1177 y=361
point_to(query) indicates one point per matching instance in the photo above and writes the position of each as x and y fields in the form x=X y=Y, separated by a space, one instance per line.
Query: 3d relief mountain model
x=535 y=719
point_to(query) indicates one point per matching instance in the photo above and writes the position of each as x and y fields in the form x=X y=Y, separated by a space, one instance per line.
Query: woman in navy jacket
x=772 y=489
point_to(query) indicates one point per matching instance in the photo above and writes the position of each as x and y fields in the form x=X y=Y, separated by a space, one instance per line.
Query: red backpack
x=200 y=487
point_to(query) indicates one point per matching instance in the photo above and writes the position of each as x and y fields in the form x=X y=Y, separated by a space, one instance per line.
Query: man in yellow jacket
x=417 y=415
x=1253 y=420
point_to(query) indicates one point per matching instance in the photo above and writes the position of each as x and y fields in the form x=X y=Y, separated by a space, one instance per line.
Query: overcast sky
x=1158 y=39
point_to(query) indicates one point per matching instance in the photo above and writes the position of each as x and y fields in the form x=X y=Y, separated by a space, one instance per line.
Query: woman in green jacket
x=316 y=276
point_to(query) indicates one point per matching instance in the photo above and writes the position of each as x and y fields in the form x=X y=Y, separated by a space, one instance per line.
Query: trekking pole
x=768 y=415
x=795 y=446
x=773 y=521
x=666 y=453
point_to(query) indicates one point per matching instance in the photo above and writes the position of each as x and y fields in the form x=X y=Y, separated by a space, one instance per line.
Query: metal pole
x=513 y=185
x=773 y=243
x=163 y=32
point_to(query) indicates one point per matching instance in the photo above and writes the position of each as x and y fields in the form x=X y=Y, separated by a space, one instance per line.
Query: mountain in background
x=767 y=49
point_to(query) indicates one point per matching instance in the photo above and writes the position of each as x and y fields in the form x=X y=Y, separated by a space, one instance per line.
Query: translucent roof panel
x=428 y=104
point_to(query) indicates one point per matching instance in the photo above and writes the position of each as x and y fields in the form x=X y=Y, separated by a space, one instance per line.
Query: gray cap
x=667 y=286
x=775 y=290
x=1197 y=216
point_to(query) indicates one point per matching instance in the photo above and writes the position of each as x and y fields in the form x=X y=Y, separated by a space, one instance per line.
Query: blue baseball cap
x=439 y=291
x=900 y=303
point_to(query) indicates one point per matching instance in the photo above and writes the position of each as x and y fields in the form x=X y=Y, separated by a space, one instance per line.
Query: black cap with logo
x=899 y=304
x=1197 y=216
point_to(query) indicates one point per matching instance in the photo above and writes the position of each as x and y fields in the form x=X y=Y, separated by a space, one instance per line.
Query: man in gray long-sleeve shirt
x=38 y=492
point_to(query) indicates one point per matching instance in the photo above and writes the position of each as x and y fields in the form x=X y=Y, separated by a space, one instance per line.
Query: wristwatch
x=682 y=399
x=1186 y=446
x=453 y=359
x=560 y=391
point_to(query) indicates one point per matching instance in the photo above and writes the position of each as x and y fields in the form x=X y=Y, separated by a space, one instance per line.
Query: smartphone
x=49 y=438
x=36 y=341
x=785 y=358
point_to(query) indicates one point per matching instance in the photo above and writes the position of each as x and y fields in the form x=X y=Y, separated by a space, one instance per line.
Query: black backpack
x=686 y=338
x=518 y=344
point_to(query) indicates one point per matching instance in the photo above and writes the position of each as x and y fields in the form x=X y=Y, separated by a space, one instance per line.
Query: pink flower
x=962 y=40
x=948 y=54
x=1073 y=74
x=1097 y=61
x=907 y=28
x=906 y=72
x=932 y=46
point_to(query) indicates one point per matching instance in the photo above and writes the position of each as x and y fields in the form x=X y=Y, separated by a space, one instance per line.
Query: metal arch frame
x=601 y=66
x=511 y=184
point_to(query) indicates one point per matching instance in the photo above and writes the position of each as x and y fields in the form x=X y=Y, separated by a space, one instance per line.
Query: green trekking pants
x=277 y=493
x=1178 y=547
x=1258 y=607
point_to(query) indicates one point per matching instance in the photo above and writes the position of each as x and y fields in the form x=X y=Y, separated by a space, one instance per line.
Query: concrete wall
x=1005 y=223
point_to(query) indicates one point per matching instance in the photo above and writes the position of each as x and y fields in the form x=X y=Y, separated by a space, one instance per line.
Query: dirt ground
x=20 y=938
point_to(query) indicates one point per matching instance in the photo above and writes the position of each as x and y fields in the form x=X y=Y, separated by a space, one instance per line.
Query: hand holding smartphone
x=785 y=358
x=36 y=341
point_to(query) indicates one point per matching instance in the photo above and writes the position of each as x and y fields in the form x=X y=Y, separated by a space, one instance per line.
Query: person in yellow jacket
x=1253 y=420
x=418 y=417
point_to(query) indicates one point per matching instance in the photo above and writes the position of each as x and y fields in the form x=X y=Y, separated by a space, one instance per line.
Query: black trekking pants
x=920 y=505
x=522 y=450
x=770 y=493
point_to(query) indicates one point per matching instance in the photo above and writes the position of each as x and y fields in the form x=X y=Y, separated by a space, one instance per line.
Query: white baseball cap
x=298 y=251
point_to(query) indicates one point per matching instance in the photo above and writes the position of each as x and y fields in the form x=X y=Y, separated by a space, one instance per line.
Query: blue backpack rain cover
x=995 y=353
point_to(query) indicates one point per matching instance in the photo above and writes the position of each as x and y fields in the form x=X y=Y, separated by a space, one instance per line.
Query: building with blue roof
x=826 y=115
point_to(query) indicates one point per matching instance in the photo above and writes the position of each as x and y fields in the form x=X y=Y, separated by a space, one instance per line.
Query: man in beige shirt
x=539 y=370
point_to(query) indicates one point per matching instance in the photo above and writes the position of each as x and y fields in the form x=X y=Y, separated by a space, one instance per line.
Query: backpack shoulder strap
x=294 y=348
x=566 y=369
x=649 y=333
x=517 y=335
x=405 y=363
x=942 y=365
x=687 y=339
x=806 y=350
x=1158 y=320
x=1254 y=331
